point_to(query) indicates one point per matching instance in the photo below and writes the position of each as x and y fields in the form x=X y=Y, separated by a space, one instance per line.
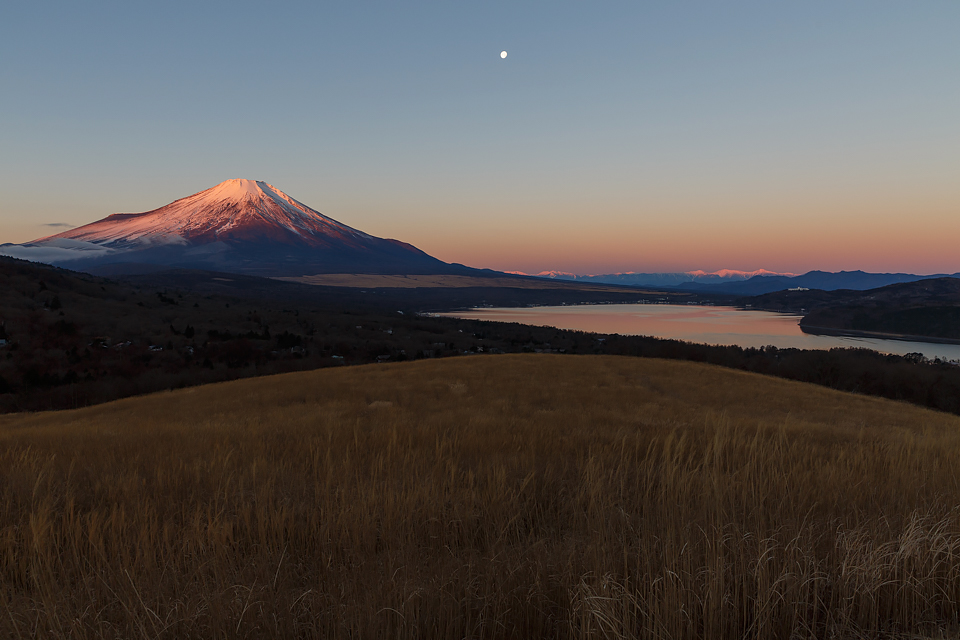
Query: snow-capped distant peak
x=725 y=274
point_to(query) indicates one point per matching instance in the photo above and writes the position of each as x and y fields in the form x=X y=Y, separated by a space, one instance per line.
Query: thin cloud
x=58 y=224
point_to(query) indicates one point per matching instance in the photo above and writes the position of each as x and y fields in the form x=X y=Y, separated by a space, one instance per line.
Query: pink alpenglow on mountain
x=734 y=274
x=241 y=226
x=233 y=210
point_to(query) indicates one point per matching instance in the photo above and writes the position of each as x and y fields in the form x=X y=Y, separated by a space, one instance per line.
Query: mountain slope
x=241 y=226
x=928 y=308
x=232 y=210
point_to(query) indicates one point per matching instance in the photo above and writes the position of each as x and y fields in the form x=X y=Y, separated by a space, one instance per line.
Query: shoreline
x=902 y=337
x=805 y=329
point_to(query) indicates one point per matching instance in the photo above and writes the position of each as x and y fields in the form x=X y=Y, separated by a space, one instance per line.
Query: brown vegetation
x=498 y=497
x=390 y=281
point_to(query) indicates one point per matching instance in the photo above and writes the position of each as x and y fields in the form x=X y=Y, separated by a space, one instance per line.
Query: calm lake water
x=693 y=323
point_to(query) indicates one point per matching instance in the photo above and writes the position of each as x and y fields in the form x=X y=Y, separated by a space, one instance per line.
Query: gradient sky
x=616 y=136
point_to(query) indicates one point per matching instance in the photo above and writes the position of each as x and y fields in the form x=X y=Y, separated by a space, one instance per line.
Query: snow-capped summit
x=239 y=225
x=233 y=210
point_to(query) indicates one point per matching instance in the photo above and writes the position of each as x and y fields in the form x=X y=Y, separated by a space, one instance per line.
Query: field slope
x=516 y=496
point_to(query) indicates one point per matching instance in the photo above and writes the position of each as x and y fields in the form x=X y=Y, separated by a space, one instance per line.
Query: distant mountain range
x=667 y=279
x=749 y=283
x=823 y=280
x=240 y=226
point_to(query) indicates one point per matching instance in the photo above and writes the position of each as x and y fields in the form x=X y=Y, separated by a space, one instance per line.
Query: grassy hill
x=515 y=496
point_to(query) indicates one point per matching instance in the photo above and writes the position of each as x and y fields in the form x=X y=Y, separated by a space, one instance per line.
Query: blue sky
x=615 y=136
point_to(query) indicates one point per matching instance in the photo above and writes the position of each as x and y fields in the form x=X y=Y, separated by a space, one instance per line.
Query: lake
x=703 y=324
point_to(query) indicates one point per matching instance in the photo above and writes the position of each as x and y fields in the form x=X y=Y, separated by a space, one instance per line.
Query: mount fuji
x=240 y=226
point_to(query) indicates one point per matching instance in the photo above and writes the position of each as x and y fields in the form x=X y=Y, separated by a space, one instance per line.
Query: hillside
x=505 y=497
x=925 y=309
x=928 y=309
x=73 y=339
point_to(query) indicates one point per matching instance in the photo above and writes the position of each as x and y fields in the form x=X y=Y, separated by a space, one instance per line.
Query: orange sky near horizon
x=883 y=231
x=889 y=248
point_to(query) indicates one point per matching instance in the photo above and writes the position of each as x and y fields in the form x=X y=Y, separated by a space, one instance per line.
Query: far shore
x=828 y=331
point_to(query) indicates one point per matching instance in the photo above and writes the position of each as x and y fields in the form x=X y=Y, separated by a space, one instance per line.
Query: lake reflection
x=703 y=324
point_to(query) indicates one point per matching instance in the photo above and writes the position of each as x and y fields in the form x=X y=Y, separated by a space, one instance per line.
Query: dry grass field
x=484 y=497
x=373 y=281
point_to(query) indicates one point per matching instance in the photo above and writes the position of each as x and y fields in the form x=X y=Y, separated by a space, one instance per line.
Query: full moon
x=503 y=54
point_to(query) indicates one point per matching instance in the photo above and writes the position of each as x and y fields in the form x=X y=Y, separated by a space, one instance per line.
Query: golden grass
x=487 y=497
x=373 y=281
